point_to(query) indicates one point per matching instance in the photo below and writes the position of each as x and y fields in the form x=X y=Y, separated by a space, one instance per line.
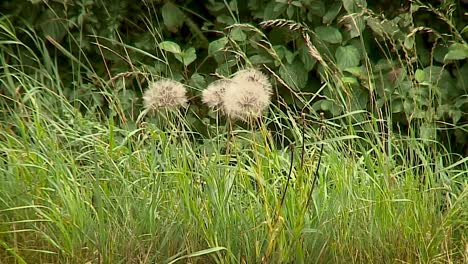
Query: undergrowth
x=85 y=184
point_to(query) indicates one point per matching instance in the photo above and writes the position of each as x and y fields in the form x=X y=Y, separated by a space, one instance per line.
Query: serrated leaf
x=295 y=75
x=329 y=34
x=419 y=75
x=172 y=16
x=332 y=13
x=348 y=56
x=217 y=45
x=170 y=46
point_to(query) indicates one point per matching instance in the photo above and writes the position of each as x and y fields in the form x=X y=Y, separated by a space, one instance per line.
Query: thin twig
x=303 y=140
x=322 y=136
x=289 y=177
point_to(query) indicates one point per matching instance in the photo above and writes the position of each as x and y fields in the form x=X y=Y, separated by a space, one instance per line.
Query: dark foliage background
x=413 y=67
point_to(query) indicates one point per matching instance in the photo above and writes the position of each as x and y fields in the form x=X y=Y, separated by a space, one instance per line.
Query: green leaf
x=284 y=53
x=217 y=45
x=52 y=26
x=332 y=13
x=329 y=34
x=187 y=57
x=197 y=80
x=196 y=254
x=355 y=26
x=306 y=58
x=349 y=80
x=409 y=42
x=328 y=105
x=355 y=71
x=420 y=75
x=464 y=30
x=427 y=131
x=260 y=59
x=238 y=35
x=296 y=3
x=316 y=8
x=295 y=74
x=290 y=11
x=462 y=78
x=397 y=106
x=455 y=115
x=273 y=10
x=354 y=6
x=375 y=25
x=348 y=56
x=457 y=51
x=439 y=53
x=233 y=6
x=170 y=46
x=172 y=16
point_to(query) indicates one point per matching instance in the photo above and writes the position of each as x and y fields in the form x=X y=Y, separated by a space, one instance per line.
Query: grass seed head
x=165 y=93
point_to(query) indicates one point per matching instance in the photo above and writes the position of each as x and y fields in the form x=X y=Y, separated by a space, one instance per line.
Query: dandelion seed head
x=164 y=93
x=253 y=75
x=214 y=93
x=245 y=99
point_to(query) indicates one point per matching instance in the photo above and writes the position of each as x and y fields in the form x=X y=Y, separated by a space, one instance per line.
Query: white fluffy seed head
x=255 y=76
x=164 y=93
x=213 y=95
x=246 y=100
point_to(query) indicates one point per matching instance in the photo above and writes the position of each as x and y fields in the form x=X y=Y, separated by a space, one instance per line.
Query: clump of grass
x=80 y=188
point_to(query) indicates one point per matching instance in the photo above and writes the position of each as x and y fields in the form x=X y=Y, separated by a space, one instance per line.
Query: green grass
x=84 y=184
